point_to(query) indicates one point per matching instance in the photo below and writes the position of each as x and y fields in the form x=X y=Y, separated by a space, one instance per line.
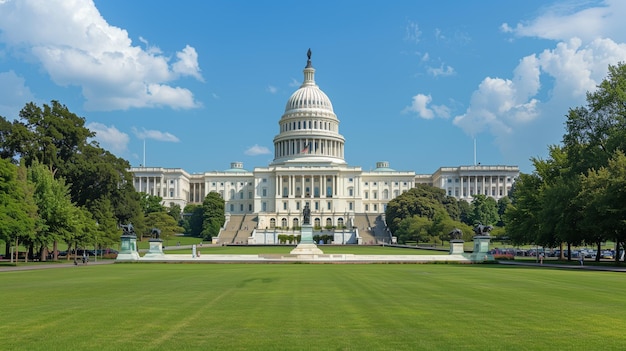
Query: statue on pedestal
x=481 y=229
x=155 y=233
x=128 y=229
x=306 y=213
x=456 y=234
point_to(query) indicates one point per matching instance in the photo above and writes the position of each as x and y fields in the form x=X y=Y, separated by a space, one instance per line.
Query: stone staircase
x=362 y=222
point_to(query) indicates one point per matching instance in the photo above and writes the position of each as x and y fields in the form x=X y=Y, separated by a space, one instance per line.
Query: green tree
x=424 y=201
x=151 y=203
x=56 y=210
x=192 y=219
x=165 y=223
x=213 y=215
x=175 y=211
x=18 y=213
x=484 y=210
x=602 y=200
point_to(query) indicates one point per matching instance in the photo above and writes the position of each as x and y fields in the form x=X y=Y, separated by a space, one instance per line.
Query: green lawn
x=311 y=307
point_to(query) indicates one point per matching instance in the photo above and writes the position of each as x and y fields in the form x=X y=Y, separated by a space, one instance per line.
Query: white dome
x=308 y=97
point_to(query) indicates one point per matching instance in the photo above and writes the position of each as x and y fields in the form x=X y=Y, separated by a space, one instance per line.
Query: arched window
x=340 y=222
x=295 y=223
x=329 y=222
x=284 y=223
x=317 y=222
x=273 y=223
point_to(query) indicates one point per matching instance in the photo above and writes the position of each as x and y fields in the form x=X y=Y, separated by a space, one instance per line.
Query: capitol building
x=309 y=168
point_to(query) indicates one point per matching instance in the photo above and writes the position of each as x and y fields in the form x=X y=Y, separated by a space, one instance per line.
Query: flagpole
x=474 y=151
x=144 y=152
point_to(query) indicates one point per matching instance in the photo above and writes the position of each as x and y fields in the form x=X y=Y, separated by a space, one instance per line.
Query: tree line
x=576 y=196
x=58 y=185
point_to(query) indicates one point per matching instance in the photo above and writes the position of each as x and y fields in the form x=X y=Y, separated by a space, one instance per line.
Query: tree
x=424 y=201
x=18 y=214
x=54 y=136
x=602 y=199
x=175 y=211
x=484 y=210
x=56 y=210
x=213 y=215
x=192 y=219
x=163 y=222
x=151 y=203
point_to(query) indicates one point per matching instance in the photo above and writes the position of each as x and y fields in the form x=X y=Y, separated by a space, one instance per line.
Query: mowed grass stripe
x=311 y=307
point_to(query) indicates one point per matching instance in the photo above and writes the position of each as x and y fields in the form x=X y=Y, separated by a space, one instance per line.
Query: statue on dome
x=308 y=54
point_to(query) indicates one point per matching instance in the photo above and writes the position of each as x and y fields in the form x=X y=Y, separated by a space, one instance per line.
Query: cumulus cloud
x=14 y=94
x=109 y=138
x=77 y=47
x=421 y=105
x=257 y=150
x=155 y=135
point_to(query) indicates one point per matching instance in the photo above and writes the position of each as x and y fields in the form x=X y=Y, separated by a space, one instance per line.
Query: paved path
x=70 y=263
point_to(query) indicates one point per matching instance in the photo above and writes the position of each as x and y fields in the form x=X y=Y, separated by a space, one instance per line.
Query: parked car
x=608 y=255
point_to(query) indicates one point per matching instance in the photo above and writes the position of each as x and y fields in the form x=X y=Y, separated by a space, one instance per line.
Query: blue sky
x=204 y=83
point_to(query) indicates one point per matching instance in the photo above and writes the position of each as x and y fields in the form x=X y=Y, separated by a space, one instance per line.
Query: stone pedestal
x=481 y=249
x=156 y=248
x=457 y=247
x=128 y=251
x=306 y=245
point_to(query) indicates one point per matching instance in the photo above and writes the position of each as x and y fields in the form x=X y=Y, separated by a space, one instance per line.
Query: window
x=264 y=206
x=375 y=194
x=366 y=183
x=350 y=191
x=449 y=180
x=250 y=207
x=350 y=206
x=297 y=205
x=350 y=180
x=264 y=192
x=232 y=208
x=284 y=205
x=264 y=180
x=328 y=205
x=317 y=205
x=273 y=223
x=284 y=222
x=367 y=195
x=367 y=208
x=241 y=208
x=375 y=207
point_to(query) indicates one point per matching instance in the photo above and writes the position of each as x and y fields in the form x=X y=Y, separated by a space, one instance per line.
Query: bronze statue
x=308 y=54
x=306 y=213
x=128 y=229
x=155 y=233
x=456 y=234
x=481 y=229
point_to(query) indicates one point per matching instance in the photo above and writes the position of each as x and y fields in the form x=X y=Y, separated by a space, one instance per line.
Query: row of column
x=309 y=147
x=501 y=188
x=292 y=182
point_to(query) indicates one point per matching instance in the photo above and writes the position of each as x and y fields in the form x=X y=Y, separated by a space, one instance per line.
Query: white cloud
x=155 y=135
x=420 y=105
x=413 y=33
x=14 y=94
x=187 y=64
x=294 y=83
x=257 y=150
x=563 y=21
x=441 y=71
x=109 y=138
x=272 y=89
x=76 y=46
